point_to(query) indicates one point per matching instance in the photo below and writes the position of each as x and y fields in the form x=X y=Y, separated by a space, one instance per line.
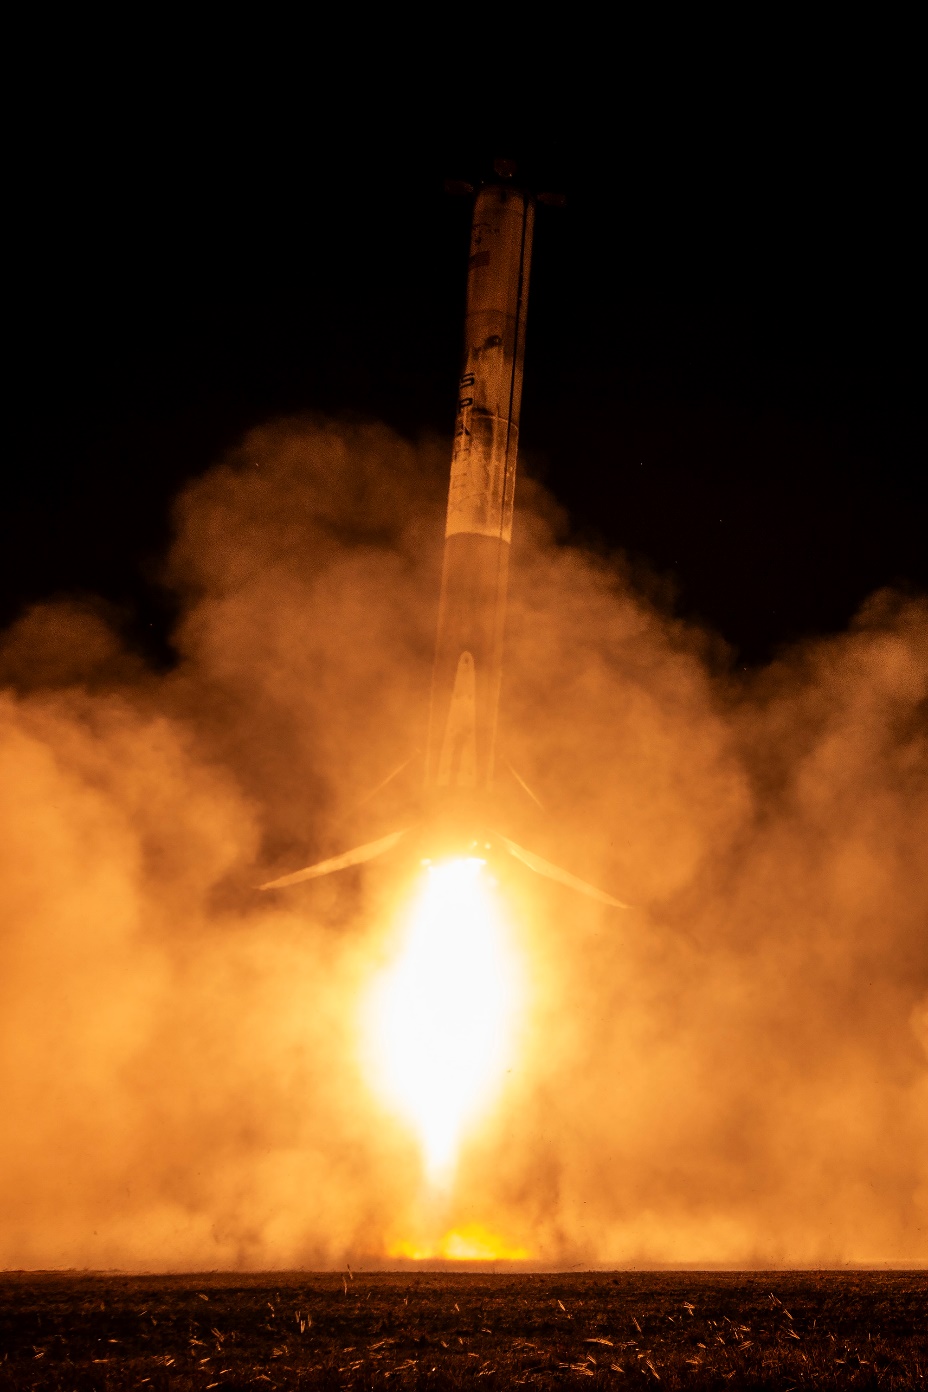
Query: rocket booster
x=467 y=671
x=478 y=528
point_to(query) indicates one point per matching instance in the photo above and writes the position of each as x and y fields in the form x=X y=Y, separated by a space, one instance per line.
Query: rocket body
x=459 y=813
x=478 y=529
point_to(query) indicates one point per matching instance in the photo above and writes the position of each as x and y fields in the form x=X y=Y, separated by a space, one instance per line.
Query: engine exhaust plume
x=442 y=1016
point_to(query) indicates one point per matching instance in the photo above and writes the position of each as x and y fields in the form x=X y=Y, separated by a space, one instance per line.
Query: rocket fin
x=340 y=862
x=457 y=767
x=554 y=872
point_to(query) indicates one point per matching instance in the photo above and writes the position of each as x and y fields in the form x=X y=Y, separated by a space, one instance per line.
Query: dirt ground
x=413 y=1329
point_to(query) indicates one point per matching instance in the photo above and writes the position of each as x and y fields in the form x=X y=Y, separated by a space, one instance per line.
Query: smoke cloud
x=733 y=1071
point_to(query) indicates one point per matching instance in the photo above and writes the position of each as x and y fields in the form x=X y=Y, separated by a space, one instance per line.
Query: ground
x=78 y=1332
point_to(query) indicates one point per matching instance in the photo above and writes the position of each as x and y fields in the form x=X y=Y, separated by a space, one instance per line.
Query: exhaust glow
x=473 y=1242
x=442 y=1017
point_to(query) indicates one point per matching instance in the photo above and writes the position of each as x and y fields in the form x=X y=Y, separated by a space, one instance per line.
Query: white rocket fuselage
x=478 y=530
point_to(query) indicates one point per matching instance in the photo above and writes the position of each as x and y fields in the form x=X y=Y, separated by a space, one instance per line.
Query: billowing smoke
x=733 y=1071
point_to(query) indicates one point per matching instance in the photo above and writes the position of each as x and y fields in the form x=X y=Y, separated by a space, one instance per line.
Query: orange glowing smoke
x=735 y=1072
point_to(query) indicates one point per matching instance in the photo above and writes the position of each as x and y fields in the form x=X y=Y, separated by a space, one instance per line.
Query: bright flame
x=472 y=1242
x=443 y=1014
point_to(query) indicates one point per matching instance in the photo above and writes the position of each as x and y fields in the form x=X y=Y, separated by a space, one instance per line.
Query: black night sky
x=723 y=371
